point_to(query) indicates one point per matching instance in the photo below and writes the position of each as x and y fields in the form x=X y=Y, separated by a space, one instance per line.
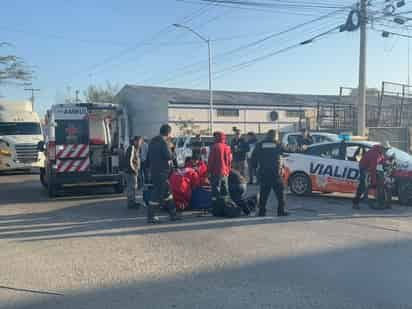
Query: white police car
x=292 y=139
x=334 y=167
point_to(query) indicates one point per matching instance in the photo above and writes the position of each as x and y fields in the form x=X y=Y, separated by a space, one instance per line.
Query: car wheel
x=300 y=184
x=404 y=195
x=52 y=190
x=43 y=178
x=119 y=188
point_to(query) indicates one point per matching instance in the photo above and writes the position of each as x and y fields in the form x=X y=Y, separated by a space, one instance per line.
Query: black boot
x=282 y=212
x=262 y=212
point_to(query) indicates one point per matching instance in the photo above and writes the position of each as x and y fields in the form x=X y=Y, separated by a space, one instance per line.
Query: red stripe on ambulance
x=72 y=151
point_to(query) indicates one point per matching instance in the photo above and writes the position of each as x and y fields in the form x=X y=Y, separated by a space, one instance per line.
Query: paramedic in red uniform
x=182 y=182
x=219 y=165
x=368 y=164
x=201 y=168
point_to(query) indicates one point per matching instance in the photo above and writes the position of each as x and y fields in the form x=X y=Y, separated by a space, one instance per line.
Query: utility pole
x=210 y=87
x=409 y=63
x=361 y=127
x=32 y=90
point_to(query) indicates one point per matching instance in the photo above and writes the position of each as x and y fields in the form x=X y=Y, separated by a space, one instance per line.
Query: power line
x=246 y=64
x=196 y=70
x=276 y=52
x=274 y=5
x=144 y=41
x=394 y=33
x=63 y=37
x=258 y=42
x=284 y=11
x=311 y=33
x=214 y=18
x=119 y=44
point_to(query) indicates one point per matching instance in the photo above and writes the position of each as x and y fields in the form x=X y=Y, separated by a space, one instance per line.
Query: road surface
x=89 y=251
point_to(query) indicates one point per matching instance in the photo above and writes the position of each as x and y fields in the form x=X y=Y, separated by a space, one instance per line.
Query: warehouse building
x=188 y=110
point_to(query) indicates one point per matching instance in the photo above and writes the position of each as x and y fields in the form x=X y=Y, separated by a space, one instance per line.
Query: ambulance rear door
x=72 y=139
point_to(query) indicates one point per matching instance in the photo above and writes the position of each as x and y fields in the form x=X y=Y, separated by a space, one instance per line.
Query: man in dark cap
x=267 y=159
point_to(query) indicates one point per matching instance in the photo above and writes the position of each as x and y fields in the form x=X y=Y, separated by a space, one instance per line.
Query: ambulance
x=83 y=146
x=334 y=167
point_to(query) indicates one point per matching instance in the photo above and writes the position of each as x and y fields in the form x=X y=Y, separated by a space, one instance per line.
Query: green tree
x=188 y=127
x=101 y=94
x=12 y=68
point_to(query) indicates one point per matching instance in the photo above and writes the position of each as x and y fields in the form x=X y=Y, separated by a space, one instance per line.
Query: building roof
x=191 y=97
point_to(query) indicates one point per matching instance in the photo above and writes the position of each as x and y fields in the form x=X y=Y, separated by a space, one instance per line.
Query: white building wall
x=149 y=108
x=145 y=114
x=249 y=119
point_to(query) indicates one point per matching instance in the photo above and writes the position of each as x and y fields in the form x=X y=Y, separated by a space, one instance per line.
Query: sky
x=72 y=44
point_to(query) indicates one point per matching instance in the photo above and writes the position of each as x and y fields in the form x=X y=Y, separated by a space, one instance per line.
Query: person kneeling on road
x=182 y=182
x=238 y=191
x=132 y=168
x=160 y=159
x=266 y=158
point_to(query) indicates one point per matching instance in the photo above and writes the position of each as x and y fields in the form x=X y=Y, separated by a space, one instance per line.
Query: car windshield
x=206 y=141
x=20 y=128
x=399 y=154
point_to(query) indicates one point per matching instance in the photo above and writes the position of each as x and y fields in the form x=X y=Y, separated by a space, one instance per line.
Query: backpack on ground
x=231 y=210
x=226 y=208
x=218 y=207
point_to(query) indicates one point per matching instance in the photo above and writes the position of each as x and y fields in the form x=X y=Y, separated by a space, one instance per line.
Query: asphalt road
x=89 y=251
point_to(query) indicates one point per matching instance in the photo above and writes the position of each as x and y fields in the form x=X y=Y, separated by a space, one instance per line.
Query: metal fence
x=396 y=137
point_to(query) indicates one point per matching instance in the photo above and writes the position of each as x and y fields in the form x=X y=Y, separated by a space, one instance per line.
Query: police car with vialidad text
x=334 y=167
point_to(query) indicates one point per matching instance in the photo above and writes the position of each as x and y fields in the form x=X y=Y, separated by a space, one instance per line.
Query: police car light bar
x=345 y=137
x=348 y=137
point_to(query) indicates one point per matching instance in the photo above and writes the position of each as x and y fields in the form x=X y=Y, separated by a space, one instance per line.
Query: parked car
x=291 y=139
x=184 y=147
x=334 y=167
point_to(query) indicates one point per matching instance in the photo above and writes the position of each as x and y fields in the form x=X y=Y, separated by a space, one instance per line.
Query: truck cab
x=20 y=133
x=83 y=146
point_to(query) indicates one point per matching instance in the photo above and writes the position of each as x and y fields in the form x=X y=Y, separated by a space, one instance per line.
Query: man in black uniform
x=266 y=157
x=239 y=149
x=160 y=160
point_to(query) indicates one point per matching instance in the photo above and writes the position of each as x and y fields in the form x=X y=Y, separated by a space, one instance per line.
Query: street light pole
x=209 y=48
x=211 y=116
x=361 y=127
